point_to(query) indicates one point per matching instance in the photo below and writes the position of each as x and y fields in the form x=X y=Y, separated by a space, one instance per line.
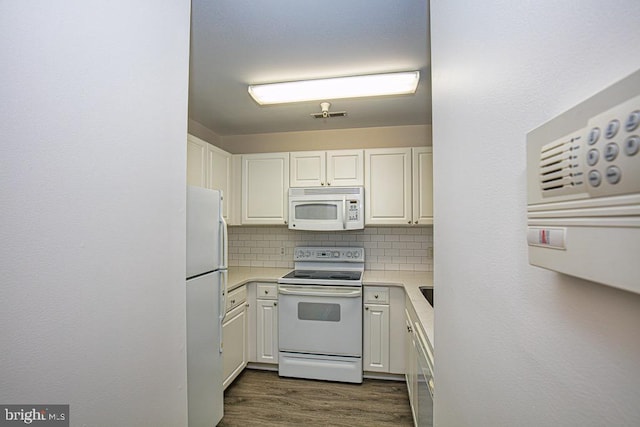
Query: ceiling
x=235 y=43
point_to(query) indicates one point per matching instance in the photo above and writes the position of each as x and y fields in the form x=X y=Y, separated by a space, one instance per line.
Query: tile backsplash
x=386 y=248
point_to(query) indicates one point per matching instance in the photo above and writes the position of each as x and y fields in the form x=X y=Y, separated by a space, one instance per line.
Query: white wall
x=517 y=345
x=330 y=139
x=93 y=121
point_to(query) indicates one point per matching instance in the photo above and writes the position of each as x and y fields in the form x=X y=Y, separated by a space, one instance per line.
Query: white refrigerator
x=206 y=289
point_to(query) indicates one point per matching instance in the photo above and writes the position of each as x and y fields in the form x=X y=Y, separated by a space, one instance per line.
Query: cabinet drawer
x=267 y=291
x=236 y=297
x=376 y=295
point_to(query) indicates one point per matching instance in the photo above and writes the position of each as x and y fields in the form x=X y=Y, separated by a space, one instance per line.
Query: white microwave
x=326 y=208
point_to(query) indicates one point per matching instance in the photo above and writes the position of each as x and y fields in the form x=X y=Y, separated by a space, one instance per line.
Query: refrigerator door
x=204 y=359
x=204 y=231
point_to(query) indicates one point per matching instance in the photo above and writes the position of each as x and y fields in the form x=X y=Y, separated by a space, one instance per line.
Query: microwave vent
x=314 y=191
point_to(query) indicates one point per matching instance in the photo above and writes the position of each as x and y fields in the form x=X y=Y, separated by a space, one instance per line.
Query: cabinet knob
x=366 y=308
x=375 y=296
x=233 y=301
x=285 y=222
x=415 y=222
x=266 y=292
x=409 y=222
x=275 y=304
x=409 y=329
x=322 y=183
x=328 y=183
x=246 y=305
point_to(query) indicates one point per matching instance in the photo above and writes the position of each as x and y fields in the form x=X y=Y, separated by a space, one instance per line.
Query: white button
x=595 y=178
x=594 y=135
x=613 y=174
x=632 y=145
x=632 y=121
x=612 y=129
x=592 y=157
x=611 y=151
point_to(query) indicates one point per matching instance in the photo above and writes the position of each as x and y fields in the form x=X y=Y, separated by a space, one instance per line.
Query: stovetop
x=339 y=266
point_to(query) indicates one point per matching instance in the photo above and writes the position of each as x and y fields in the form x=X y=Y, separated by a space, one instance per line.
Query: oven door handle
x=320 y=291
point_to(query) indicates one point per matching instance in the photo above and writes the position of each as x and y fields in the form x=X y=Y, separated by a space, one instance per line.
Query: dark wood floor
x=262 y=398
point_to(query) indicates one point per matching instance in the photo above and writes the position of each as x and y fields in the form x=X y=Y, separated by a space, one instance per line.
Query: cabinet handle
x=409 y=329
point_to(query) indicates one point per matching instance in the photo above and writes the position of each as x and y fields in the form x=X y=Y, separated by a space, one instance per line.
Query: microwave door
x=317 y=215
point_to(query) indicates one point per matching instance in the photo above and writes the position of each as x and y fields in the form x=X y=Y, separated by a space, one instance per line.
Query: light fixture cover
x=334 y=88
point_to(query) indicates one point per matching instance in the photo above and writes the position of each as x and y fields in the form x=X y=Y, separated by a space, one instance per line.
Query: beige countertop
x=409 y=280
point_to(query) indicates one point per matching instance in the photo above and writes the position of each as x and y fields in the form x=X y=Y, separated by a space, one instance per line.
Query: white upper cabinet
x=399 y=186
x=210 y=167
x=345 y=168
x=422 y=185
x=196 y=162
x=265 y=184
x=388 y=197
x=219 y=174
x=319 y=168
x=308 y=169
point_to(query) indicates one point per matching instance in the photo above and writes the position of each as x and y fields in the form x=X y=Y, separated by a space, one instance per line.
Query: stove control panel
x=343 y=254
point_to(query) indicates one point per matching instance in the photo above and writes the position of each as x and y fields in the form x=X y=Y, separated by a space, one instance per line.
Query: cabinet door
x=307 y=169
x=387 y=195
x=422 y=185
x=411 y=365
x=376 y=338
x=265 y=184
x=196 y=162
x=234 y=347
x=218 y=176
x=345 y=168
x=267 y=331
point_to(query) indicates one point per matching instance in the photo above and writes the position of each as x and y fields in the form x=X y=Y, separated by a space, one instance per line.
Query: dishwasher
x=425 y=386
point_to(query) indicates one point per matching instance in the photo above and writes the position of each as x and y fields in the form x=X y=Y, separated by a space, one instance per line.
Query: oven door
x=320 y=319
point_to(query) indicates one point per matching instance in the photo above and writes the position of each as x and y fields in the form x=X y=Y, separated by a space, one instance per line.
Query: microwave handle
x=344 y=212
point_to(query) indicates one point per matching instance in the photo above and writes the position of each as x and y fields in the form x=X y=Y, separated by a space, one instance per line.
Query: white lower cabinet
x=383 y=346
x=234 y=336
x=267 y=323
x=376 y=329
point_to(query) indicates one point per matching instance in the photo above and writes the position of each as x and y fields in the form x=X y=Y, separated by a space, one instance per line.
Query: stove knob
x=307 y=254
x=349 y=254
x=336 y=254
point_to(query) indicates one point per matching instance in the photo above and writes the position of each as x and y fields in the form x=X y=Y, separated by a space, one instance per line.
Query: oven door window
x=316 y=211
x=319 y=311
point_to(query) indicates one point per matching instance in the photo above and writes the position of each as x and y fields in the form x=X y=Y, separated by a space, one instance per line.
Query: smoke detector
x=325 y=113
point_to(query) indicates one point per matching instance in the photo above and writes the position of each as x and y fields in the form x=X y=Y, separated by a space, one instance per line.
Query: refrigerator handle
x=223 y=305
x=224 y=243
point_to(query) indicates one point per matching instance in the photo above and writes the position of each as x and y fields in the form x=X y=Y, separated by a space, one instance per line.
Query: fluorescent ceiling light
x=334 y=88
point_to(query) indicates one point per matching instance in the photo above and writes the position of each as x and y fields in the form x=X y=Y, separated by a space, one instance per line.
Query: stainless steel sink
x=427 y=293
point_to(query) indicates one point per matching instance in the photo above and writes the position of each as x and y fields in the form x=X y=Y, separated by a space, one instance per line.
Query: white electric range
x=320 y=315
